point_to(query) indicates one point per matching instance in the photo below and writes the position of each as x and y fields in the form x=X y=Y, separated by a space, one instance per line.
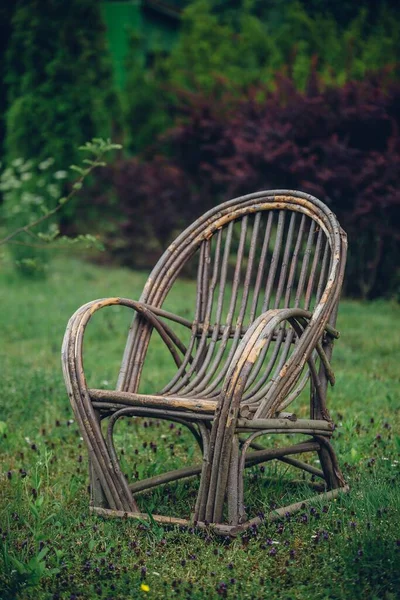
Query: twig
x=77 y=185
x=41 y=246
x=50 y=213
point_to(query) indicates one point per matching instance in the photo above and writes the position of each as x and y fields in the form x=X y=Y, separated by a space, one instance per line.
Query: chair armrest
x=252 y=344
x=73 y=339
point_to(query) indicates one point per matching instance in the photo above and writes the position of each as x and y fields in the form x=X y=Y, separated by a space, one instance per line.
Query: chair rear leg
x=329 y=463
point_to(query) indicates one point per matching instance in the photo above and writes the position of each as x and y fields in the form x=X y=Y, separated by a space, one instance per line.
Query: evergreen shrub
x=232 y=48
x=59 y=80
x=340 y=143
x=60 y=94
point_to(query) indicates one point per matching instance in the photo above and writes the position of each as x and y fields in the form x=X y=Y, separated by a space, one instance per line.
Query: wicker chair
x=269 y=273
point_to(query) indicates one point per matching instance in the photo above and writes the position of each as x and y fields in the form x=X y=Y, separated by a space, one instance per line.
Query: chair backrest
x=274 y=249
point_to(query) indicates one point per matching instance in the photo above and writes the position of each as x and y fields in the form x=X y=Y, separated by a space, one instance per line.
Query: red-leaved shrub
x=340 y=144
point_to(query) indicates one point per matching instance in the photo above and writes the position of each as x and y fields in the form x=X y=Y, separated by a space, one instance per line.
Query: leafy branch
x=97 y=149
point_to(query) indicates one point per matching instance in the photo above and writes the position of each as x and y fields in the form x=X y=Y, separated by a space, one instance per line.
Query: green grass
x=51 y=547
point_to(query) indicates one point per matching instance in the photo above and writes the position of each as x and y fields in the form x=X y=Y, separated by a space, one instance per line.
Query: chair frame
x=227 y=426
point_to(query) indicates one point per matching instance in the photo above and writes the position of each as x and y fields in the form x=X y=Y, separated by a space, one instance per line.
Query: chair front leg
x=221 y=470
x=233 y=499
x=97 y=495
x=104 y=479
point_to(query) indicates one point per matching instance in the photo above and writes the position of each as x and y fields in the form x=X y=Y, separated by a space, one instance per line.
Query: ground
x=51 y=547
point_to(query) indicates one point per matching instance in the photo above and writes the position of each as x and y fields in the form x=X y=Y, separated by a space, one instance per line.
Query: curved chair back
x=267 y=250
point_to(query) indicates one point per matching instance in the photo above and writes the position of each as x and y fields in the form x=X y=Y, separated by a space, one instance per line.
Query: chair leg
x=97 y=495
x=237 y=521
x=199 y=511
x=329 y=463
x=233 y=481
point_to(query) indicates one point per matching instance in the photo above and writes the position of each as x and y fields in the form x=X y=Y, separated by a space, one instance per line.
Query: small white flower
x=45 y=164
x=53 y=190
x=17 y=162
x=26 y=176
x=26 y=166
x=60 y=174
x=7 y=173
x=26 y=198
x=38 y=200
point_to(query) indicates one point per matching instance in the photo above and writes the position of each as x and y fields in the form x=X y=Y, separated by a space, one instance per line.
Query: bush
x=147 y=111
x=232 y=48
x=32 y=199
x=59 y=79
x=242 y=48
x=341 y=144
x=6 y=12
x=145 y=203
x=28 y=191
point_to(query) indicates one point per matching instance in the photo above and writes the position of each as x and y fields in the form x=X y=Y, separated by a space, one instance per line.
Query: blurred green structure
x=156 y=21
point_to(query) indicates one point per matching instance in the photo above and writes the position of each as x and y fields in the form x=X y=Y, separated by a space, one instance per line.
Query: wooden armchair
x=269 y=273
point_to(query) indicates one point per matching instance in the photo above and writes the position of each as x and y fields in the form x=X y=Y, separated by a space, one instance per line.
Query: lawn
x=51 y=547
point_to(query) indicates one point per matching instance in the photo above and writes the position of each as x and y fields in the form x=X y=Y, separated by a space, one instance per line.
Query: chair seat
x=126 y=399
x=204 y=410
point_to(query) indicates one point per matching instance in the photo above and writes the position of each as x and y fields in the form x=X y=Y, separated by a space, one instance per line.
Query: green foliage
x=30 y=192
x=25 y=573
x=146 y=106
x=249 y=50
x=6 y=12
x=26 y=567
x=221 y=49
x=59 y=80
